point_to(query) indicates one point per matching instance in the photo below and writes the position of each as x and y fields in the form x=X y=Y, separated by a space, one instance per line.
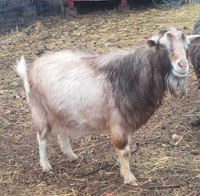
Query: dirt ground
x=163 y=166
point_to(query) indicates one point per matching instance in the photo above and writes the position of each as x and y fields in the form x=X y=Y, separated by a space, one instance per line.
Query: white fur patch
x=66 y=147
x=21 y=69
x=43 y=154
x=73 y=88
x=165 y=41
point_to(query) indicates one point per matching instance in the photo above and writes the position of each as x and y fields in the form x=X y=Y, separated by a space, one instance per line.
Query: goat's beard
x=177 y=84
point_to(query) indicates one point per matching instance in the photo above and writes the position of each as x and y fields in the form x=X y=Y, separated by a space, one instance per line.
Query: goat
x=194 y=52
x=73 y=93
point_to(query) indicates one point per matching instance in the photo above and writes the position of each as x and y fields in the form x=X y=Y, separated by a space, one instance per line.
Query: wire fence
x=21 y=13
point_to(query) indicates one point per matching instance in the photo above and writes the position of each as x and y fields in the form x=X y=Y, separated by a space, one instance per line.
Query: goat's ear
x=152 y=41
x=194 y=39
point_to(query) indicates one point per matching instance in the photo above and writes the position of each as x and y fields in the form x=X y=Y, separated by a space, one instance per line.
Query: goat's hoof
x=46 y=167
x=72 y=157
x=130 y=179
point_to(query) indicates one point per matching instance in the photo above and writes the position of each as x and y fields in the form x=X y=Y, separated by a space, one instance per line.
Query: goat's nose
x=183 y=63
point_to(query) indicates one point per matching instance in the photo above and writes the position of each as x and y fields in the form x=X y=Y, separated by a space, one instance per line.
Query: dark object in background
x=40 y=52
x=197 y=27
x=194 y=52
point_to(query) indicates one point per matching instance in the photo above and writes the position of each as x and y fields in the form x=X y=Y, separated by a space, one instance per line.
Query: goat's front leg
x=121 y=140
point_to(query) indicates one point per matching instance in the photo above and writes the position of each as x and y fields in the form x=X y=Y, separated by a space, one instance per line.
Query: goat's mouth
x=179 y=74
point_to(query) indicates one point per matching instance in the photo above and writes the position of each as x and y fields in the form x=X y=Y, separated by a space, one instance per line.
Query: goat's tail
x=21 y=69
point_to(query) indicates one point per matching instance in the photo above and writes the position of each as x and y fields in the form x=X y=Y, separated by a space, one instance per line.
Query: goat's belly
x=80 y=127
x=77 y=133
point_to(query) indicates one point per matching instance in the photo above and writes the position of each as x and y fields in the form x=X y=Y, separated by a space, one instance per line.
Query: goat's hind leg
x=42 y=141
x=66 y=147
x=42 y=125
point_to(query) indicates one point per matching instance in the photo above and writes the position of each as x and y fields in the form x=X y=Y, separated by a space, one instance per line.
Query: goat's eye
x=162 y=46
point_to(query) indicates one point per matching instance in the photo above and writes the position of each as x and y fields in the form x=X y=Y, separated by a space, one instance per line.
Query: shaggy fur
x=138 y=81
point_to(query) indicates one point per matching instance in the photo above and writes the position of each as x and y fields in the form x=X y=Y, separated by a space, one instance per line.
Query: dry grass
x=162 y=165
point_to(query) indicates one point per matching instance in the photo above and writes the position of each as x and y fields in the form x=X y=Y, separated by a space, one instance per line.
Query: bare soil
x=163 y=166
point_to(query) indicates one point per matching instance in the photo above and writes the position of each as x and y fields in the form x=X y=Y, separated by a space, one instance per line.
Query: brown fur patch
x=119 y=138
x=174 y=57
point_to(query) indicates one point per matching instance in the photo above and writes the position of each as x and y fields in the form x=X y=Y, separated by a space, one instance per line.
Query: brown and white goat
x=194 y=52
x=75 y=93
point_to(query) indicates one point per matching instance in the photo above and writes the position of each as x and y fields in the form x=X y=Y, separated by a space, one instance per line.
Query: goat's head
x=176 y=43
